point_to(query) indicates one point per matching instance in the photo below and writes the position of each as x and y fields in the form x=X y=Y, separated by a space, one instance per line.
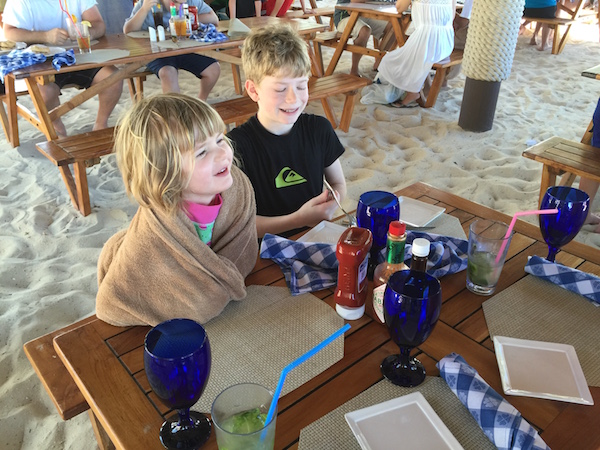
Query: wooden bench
x=81 y=151
x=317 y=13
x=238 y=110
x=441 y=70
x=560 y=156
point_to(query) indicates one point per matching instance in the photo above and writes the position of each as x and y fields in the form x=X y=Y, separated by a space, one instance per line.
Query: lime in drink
x=483 y=270
x=244 y=431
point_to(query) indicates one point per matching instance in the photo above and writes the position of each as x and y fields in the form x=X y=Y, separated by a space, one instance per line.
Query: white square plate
x=416 y=213
x=51 y=50
x=409 y=420
x=541 y=369
x=326 y=232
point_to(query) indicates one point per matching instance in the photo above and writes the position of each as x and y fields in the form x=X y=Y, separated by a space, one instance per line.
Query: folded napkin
x=447 y=254
x=237 y=26
x=66 y=58
x=18 y=59
x=207 y=32
x=567 y=278
x=307 y=266
x=498 y=419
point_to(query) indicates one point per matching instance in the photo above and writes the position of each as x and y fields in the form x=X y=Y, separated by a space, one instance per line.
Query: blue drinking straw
x=296 y=363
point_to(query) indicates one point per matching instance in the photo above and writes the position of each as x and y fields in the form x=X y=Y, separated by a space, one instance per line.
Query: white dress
x=431 y=41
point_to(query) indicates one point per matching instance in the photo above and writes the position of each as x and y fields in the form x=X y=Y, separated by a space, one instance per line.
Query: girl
x=193 y=240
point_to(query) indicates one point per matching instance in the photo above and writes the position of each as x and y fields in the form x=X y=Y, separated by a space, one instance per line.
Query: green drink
x=239 y=415
x=483 y=270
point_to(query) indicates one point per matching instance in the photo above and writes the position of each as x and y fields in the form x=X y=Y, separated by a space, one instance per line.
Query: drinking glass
x=177 y=359
x=411 y=306
x=559 y=229
x=375 y=211
x=83 y=37
x=239 y=414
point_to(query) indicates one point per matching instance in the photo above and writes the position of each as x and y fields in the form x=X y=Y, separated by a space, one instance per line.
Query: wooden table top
x=106 y=362
x=379 y=9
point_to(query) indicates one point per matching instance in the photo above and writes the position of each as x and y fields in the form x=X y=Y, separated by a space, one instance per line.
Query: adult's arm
x=93 y=16
x=55 y=36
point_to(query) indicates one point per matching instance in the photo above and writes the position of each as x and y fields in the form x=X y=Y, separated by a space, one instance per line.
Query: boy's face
x=211 y=174
x=281 y=100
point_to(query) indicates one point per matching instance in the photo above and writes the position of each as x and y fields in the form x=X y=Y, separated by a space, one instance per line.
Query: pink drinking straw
x=514 y=220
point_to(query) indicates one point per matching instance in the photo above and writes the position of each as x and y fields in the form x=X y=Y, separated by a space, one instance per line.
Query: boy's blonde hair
x=275 y=50
x=154 y=141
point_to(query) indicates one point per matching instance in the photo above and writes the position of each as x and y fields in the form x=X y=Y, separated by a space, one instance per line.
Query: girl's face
x=211 y=174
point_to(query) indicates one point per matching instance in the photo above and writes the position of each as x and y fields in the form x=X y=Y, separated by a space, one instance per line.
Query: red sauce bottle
x=353 y=256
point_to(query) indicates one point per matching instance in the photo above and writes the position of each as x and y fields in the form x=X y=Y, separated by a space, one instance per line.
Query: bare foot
x=532 y=41
x=541 y=48
x=592 y=219
x=410 y=97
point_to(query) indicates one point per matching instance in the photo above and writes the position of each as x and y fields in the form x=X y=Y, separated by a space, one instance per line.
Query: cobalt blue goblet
x=177 y=360
x=411 y=306
x=375 y=211
x=559 y=229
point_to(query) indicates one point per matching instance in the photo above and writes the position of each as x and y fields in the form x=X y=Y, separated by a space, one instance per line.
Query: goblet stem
x=184 y=418
x=552 y=251
x=404 y=360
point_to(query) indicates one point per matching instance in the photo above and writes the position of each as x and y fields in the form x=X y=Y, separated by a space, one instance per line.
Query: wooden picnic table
x=141 y=51
x=386 y=13
x=106 y=362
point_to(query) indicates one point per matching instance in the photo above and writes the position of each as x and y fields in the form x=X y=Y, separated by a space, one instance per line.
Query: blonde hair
x=155 y=139
x=274 y=50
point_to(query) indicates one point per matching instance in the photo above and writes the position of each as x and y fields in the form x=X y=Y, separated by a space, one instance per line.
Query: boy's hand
x=56 y=36
x=321 y=207
x=148 y=4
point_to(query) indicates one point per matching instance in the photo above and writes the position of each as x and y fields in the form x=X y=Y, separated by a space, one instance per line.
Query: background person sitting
x=543 y=9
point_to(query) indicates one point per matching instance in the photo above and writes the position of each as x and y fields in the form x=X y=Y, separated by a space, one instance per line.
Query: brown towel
x=159 y=269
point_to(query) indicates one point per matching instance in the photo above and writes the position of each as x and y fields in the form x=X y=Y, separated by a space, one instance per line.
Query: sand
x=49 y=251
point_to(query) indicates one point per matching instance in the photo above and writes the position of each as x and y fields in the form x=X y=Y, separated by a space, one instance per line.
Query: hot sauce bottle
x=352 y=253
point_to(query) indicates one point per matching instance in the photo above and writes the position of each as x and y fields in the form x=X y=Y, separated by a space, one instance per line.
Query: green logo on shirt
x=288 y=177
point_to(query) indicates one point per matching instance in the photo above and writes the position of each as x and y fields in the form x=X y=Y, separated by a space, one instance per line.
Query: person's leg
x=169 y=79
x=209 y=77
x=107 y=98
x=538 y=25
x=50 y=93
x=545 y=31
x=361 y=40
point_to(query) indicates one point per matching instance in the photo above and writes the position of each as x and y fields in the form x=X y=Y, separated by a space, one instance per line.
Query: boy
x=40 y=21
x=166 y=69
x=286 y=153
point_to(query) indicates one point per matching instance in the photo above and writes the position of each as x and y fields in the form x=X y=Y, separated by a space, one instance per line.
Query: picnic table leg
x=11 y=102
x=104 y=441
x=342 y=43
x=44 y=122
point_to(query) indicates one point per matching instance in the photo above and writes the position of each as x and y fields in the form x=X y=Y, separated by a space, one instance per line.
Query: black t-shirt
x=286 y=171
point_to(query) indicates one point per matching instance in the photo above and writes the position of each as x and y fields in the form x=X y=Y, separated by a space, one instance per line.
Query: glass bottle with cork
x=396 y=241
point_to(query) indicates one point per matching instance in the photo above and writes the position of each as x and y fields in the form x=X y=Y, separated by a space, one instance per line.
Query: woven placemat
x=331 y=432
x=253 y=340
x=542 y=311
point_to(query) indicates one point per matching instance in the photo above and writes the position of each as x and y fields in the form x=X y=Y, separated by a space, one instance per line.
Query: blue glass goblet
x=560 y=229
x=177 y=360
x=375 y=211
x=411 y=306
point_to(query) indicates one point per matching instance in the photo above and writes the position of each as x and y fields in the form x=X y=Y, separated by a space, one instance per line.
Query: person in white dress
x=432 y=40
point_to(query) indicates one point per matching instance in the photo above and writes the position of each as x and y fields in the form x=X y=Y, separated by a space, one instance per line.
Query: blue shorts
x=195 y=64
x=82 y=78
x=548 y=12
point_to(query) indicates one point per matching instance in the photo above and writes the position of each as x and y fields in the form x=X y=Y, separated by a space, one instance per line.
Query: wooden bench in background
x=85 y=150
x=317 y=13
x=441 y=70
x=560 y=156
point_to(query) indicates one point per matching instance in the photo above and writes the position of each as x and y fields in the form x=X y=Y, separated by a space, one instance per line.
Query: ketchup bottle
x=353 y=257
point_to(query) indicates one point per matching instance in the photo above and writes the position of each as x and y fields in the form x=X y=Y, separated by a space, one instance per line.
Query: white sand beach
x=49 y=251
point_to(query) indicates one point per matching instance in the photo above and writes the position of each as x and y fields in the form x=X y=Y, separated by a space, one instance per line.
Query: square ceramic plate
x=416 y=213
x=51 y=50
x=408 y=419
x=541 y=369
x=324 y=231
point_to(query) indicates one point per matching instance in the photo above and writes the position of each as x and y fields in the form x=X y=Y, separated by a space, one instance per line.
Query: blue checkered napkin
x=307 y=266
x=66 y=58
x=18 y=59
x=207 y=32
x=447 y=254
x=498 y=419
x=570 y=279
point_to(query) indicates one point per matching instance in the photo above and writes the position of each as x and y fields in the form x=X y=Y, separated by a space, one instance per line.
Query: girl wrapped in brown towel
x=193 y=239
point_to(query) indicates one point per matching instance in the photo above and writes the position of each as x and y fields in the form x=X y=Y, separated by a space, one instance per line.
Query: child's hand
x=321 y=207
x=148 y=4
x=56 y=36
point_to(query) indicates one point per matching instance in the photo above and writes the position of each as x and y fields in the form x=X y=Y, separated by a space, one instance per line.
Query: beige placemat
x=541 y=311
x=331 y=432
x=253 y=340
x=100 y=56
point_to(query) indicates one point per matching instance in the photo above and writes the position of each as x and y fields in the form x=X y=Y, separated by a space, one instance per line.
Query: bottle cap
x=397 y=228
x=349 y=313
x=420 y=247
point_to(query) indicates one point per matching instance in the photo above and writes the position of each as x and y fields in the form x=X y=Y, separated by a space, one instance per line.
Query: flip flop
x=398 y=104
